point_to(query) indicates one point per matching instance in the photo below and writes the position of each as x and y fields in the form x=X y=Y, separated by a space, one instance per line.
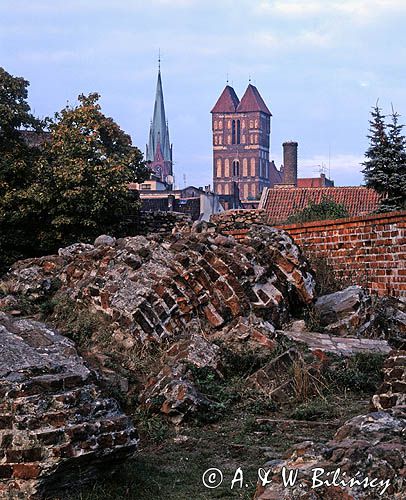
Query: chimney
x=290 y=163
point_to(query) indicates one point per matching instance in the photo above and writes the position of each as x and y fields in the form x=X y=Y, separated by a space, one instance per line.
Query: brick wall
x=159 y=222
x=368 y=250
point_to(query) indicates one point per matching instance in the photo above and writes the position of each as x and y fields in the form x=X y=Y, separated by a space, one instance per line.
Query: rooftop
x=281 y=202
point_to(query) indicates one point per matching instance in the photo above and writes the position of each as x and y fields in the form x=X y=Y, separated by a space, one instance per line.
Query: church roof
x=252 y=101
x=159 y=132
x=227 y=102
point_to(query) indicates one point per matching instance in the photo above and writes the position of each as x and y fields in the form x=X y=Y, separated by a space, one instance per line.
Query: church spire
x=159 y=149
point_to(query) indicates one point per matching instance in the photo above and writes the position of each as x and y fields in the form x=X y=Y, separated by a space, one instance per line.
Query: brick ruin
x=56 y=427
x=183 y=292
x=368 y=250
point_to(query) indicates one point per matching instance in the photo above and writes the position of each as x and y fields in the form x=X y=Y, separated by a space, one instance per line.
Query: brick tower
x=241 y=139
x=159 y=149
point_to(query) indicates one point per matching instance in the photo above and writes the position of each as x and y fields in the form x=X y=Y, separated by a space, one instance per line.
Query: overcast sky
x=319 y=64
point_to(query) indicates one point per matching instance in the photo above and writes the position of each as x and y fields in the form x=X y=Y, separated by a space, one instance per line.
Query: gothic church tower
x=159 y=149
x=241 y=140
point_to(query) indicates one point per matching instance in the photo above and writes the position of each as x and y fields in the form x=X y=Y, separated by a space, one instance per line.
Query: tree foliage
x=19 y=170
x=325 y=210
x=385 y=163
x=91 y=162
x=71 y=188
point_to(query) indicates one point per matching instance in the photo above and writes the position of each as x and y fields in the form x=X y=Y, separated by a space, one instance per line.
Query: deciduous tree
x=91 y=162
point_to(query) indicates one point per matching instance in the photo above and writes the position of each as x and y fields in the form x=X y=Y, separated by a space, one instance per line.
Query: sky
x=320 y=66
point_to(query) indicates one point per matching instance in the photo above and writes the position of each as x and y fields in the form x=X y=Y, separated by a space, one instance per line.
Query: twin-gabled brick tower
x=241 y=140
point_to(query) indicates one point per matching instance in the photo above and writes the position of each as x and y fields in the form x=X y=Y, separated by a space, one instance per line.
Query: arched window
x=219 y=190
x=218 y=167
x=226 y=189
x=245 y=167
x=238 y=132
x=245 y=190
x=236 y=168
x=215 y=124
x=253 y=170
x=226 y=168
x=233 y=132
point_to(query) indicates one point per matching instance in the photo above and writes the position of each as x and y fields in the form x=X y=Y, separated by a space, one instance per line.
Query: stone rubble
x=343 y=313
x=341 y=346
x=172 y=391
x=151 y=288
x=56 y=427
x=392 y=392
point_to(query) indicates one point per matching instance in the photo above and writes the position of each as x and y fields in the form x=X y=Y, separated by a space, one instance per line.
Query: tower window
x=236 y=168
x=238 y=132
x=233 y=132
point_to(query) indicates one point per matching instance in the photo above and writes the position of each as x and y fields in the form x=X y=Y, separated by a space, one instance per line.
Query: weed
x=316 y=409
x=360 y=373
x=153 y=427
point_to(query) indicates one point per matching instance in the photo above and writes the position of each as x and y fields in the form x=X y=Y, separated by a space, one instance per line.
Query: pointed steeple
x=227 y=102
x=252 y=101
x=159 y=132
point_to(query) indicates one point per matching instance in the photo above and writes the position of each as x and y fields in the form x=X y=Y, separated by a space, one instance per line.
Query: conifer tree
x=396 y=198
x=385 y=164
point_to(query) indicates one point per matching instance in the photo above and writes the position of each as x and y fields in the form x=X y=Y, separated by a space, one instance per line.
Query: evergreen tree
x=384 y=167
x=376 y=164
x=396 y=198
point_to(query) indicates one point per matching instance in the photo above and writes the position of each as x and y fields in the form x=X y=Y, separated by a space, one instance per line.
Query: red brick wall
x=368 y=250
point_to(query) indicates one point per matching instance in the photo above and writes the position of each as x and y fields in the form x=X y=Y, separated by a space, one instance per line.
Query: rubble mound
x=56 y=427
x=345 y=312
x=151 y=288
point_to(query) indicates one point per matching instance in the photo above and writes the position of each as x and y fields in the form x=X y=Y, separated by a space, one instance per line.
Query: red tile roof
x=313 y=182
x=252 y=101
x=305 y=182
x=280 y=202
x=227 y=102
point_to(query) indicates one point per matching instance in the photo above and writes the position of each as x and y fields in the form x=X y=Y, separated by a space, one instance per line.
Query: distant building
x=199 y=203
x=241 y=145
x=289 y=170
x=313 y=182
x=282 y=201
x=35 y=139
x=242 y=168
x=159 y=148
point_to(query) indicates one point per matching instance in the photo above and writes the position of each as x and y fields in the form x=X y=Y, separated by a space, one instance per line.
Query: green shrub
x=326 y=209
